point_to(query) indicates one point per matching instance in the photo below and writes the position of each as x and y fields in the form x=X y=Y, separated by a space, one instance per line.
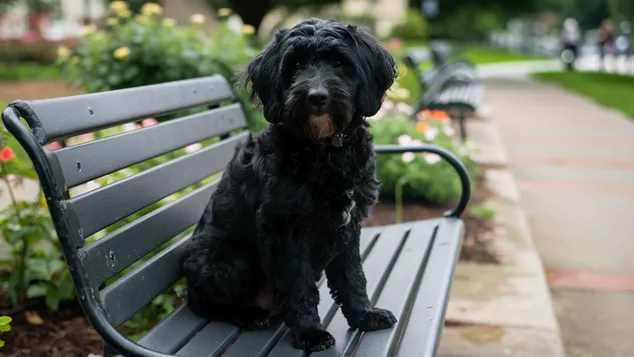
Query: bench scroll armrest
x=447 y=156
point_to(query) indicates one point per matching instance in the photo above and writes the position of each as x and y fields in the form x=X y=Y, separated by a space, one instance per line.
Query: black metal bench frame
x=423 y=254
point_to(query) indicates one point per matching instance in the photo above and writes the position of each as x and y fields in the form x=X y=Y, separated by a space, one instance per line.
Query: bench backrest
x=76 y=218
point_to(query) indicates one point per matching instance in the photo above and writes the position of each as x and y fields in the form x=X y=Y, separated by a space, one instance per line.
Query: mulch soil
x=476 y=246
x=68 y=333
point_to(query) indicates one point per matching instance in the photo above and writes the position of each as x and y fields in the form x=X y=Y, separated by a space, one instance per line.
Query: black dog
x=292 y=201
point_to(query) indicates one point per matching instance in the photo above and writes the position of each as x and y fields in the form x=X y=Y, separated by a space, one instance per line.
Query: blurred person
x=606 y=35
x=571 y=41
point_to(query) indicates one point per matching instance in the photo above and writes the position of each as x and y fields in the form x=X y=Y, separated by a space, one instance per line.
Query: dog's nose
x=317 y=96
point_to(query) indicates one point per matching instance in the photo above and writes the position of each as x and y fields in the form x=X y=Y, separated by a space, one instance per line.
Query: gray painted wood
x=399 y=291
x=61 y=118
x=84 y=162
x=170 y=334
x=409 y=269
x=210 y=341
x=98 y=209
x=127 y=295
x=423 y=330
x=121 y=248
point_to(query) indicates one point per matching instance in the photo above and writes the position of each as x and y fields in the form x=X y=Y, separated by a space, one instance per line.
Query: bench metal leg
x=463 y=126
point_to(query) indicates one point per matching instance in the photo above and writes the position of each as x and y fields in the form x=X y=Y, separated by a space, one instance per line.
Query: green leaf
x=52 y=300
x=36 y=291
x=5 y=320
x=5 y=328
x=1 y=343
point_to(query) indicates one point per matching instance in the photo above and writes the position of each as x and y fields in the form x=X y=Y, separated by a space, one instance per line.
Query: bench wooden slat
x=258 y=343
x=210 y=341
x=377 y=267
x=171 y=333
x=98 y=209
x=82 y=163
x=124 y=297
x=422 y=334
x=400 y=289
x=61 y=118
x=121 y=248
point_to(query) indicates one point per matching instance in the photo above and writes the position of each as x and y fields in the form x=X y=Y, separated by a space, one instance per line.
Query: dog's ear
x=378 y=71
x=264 y=74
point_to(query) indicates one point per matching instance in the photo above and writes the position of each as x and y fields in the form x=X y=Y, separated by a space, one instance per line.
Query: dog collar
x=337 y=140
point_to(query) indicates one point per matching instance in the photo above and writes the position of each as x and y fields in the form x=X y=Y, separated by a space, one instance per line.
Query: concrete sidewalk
x=574 y=165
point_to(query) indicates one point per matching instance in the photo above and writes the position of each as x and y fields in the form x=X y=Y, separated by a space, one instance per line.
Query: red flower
x=6 y=154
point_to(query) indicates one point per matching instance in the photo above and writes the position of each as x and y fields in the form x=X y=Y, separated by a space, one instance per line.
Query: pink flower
x=193 y=148
x=54 y=145
x=131 y=126
x=148 y=122
x=431 y=158
x=404 y=140
x=408 y=157
x=431 y=133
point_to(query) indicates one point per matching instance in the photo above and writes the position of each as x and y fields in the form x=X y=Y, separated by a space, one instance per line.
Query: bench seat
x=408 y=267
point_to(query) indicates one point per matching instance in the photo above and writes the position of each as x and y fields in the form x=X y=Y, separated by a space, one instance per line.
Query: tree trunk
x=251 y=12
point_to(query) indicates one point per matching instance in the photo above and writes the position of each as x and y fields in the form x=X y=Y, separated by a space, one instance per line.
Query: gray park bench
x=451 y=85
x=409 y=266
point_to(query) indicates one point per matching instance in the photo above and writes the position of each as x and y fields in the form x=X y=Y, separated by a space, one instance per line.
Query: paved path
x=574 y=164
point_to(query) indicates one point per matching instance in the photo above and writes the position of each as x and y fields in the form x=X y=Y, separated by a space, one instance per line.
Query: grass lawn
x=611 y=90
x=28 y=71
x=483 y=55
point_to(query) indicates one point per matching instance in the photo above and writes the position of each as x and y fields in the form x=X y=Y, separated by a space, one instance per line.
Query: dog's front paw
x=312 y=340
x=371 y=320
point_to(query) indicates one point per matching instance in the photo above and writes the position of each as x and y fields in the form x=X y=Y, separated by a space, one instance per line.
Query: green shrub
x=415 y=27
x=145 y=49
x=423 y=178
x=33 y=256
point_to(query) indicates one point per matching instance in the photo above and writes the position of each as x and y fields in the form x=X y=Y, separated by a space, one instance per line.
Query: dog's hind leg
x=223 y=283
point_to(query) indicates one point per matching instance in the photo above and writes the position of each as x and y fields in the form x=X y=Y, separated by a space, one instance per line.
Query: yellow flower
x=197 y=19
x=151 y=9
x=125 y=14
x=43 y=202
x=121 y=53
x=90 y=29
x=169 y=22
x=74 y=60
x=112 y=21
x=142 y=19
x=118 y=6
x=63 y=52
x=248 y=29
x=224 y=12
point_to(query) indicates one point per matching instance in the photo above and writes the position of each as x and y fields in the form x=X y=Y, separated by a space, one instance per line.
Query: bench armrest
x=447 y=156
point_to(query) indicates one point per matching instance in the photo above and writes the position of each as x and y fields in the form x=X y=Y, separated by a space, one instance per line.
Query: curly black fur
x=290 y=205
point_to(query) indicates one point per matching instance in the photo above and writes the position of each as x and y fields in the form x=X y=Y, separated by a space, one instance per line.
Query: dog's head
x=317 y=76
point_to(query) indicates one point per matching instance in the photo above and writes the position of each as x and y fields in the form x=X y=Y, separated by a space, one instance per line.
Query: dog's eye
x=297 y=65
x=337 y=64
